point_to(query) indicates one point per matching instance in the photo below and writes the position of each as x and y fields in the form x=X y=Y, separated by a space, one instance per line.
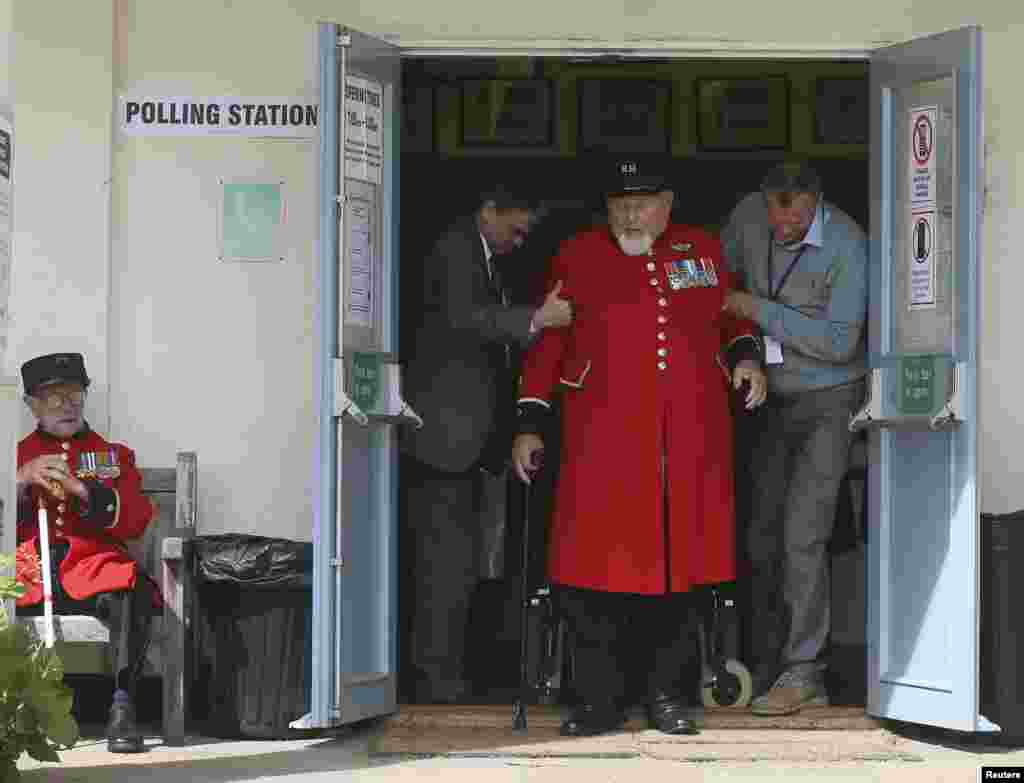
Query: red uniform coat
x=97 y=561
x=642 y=376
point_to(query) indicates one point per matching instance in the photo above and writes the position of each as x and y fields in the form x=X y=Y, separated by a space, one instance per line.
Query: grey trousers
x=800 y=447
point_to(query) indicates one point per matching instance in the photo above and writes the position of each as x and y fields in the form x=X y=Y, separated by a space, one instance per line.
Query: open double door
x=924 y=330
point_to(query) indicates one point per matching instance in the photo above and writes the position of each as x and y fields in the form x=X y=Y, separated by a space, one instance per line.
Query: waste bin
x=253 y=658
x=1002 y=624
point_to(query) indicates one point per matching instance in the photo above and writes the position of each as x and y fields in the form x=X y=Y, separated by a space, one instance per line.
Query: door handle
x=872 y=413
x=388 y=405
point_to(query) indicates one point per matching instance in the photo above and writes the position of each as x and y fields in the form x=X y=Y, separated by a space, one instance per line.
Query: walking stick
x=519 y=709
x=44 y=556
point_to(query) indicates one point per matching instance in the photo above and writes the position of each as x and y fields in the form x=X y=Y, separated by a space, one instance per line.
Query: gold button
x=663 y=302
x=662 y=365
x=662 y=319
x=661 y=335
x=62 y=508
x=65 y=445
x=60 y=521
x=663 y=352
x=654 y=281
x=651 y=267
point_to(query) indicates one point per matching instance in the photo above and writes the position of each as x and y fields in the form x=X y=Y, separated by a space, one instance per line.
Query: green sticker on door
x=366 y=380
x=917 y=385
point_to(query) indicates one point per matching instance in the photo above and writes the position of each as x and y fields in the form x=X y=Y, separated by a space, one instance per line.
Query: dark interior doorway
x=441 y=179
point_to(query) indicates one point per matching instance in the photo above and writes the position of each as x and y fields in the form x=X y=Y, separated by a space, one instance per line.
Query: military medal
x=98 y=464
x=86 y=466
x=709 y=270
x=679 y=275
x=681 y=247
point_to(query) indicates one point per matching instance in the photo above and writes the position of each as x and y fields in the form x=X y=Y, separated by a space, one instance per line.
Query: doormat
x=486 y=731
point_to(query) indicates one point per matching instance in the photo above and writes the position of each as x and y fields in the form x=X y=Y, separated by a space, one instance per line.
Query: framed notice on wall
x=841 y=110
x=743 y=114
x=624 y=115
x=251 y=220
x=507 y=112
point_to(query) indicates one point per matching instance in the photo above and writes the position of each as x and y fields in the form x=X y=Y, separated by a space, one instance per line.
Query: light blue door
x=359 y=405
x=926 y=170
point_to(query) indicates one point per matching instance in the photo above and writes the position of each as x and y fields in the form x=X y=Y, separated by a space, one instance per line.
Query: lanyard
x=774 y=294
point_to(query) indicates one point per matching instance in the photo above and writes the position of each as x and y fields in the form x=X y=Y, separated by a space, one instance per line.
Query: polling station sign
x=230 y=116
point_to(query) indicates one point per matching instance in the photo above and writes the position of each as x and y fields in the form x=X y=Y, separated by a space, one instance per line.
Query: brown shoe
x=797 y=687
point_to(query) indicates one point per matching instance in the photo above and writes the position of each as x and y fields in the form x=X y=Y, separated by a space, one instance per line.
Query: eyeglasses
x=56 y=400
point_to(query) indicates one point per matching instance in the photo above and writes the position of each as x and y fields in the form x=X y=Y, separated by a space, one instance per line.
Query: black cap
x=636 y=177
x=53 y=368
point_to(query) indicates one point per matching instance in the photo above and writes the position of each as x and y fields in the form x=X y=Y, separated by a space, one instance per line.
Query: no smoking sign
x=922 y=157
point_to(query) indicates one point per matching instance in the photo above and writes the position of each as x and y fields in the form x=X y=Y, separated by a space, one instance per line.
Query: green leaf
x=64 y=731
x=39 y=749
x=9 y=771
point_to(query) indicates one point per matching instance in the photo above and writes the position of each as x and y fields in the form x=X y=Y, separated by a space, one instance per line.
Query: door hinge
x=344 y=40
x=337 y=562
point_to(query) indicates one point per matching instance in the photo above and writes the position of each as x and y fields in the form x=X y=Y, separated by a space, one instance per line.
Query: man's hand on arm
x=554 y=313
x=741 y=305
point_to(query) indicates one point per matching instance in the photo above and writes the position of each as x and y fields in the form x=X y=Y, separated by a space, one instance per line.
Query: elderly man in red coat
x=92 y=492
x=644 y=510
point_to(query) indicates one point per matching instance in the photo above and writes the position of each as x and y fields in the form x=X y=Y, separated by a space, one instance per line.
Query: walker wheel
x=732 y=687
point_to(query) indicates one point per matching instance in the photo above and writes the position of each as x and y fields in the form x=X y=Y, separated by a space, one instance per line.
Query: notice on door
x=364 y=151
x=922 y=260
x=6 y=196
x=923 y=122
x=359 y=311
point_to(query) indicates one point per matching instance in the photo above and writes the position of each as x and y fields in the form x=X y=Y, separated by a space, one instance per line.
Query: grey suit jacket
x=455 y=376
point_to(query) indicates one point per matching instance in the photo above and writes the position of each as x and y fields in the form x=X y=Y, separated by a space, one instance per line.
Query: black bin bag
x=252 y=645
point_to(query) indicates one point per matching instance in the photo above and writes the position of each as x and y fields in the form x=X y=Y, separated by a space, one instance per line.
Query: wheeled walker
x=726 y=682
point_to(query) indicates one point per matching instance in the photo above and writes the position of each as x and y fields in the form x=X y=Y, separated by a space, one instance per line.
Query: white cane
x=44 y=556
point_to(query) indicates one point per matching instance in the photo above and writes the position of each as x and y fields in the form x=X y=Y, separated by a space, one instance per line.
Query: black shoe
x=588 y=720
x=123 y=735
x=669 y=715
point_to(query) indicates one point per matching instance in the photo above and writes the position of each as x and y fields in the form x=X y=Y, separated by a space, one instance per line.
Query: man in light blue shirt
x=803 y=264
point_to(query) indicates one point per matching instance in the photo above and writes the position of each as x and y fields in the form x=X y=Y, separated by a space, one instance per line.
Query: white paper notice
x=772 y=351
x=360 y=254
x=364 y=156
x=6 y=197
x=922 y=260
x=923 y=121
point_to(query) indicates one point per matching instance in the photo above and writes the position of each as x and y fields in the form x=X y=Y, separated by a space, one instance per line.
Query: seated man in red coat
x=92 y=492
x=644 y=509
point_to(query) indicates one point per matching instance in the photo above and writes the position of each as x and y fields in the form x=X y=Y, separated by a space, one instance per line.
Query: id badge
x=772 y=351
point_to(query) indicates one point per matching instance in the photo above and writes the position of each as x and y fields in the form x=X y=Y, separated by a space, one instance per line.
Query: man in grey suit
x=459 y=377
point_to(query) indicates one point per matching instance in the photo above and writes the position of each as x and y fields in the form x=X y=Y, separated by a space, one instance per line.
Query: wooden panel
x=158 y=479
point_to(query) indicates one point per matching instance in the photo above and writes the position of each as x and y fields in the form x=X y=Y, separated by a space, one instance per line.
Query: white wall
x=5 y=54
x=219 y=358
x=61 y=77
x=209 y=356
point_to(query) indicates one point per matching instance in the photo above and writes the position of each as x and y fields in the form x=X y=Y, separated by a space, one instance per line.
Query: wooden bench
x=82 y=641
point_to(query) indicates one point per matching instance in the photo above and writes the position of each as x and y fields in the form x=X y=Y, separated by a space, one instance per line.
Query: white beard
x=635 y=245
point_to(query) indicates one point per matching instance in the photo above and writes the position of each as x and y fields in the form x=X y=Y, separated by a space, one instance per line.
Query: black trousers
x=440 y=536
x=630 y=645
x=127 y=613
